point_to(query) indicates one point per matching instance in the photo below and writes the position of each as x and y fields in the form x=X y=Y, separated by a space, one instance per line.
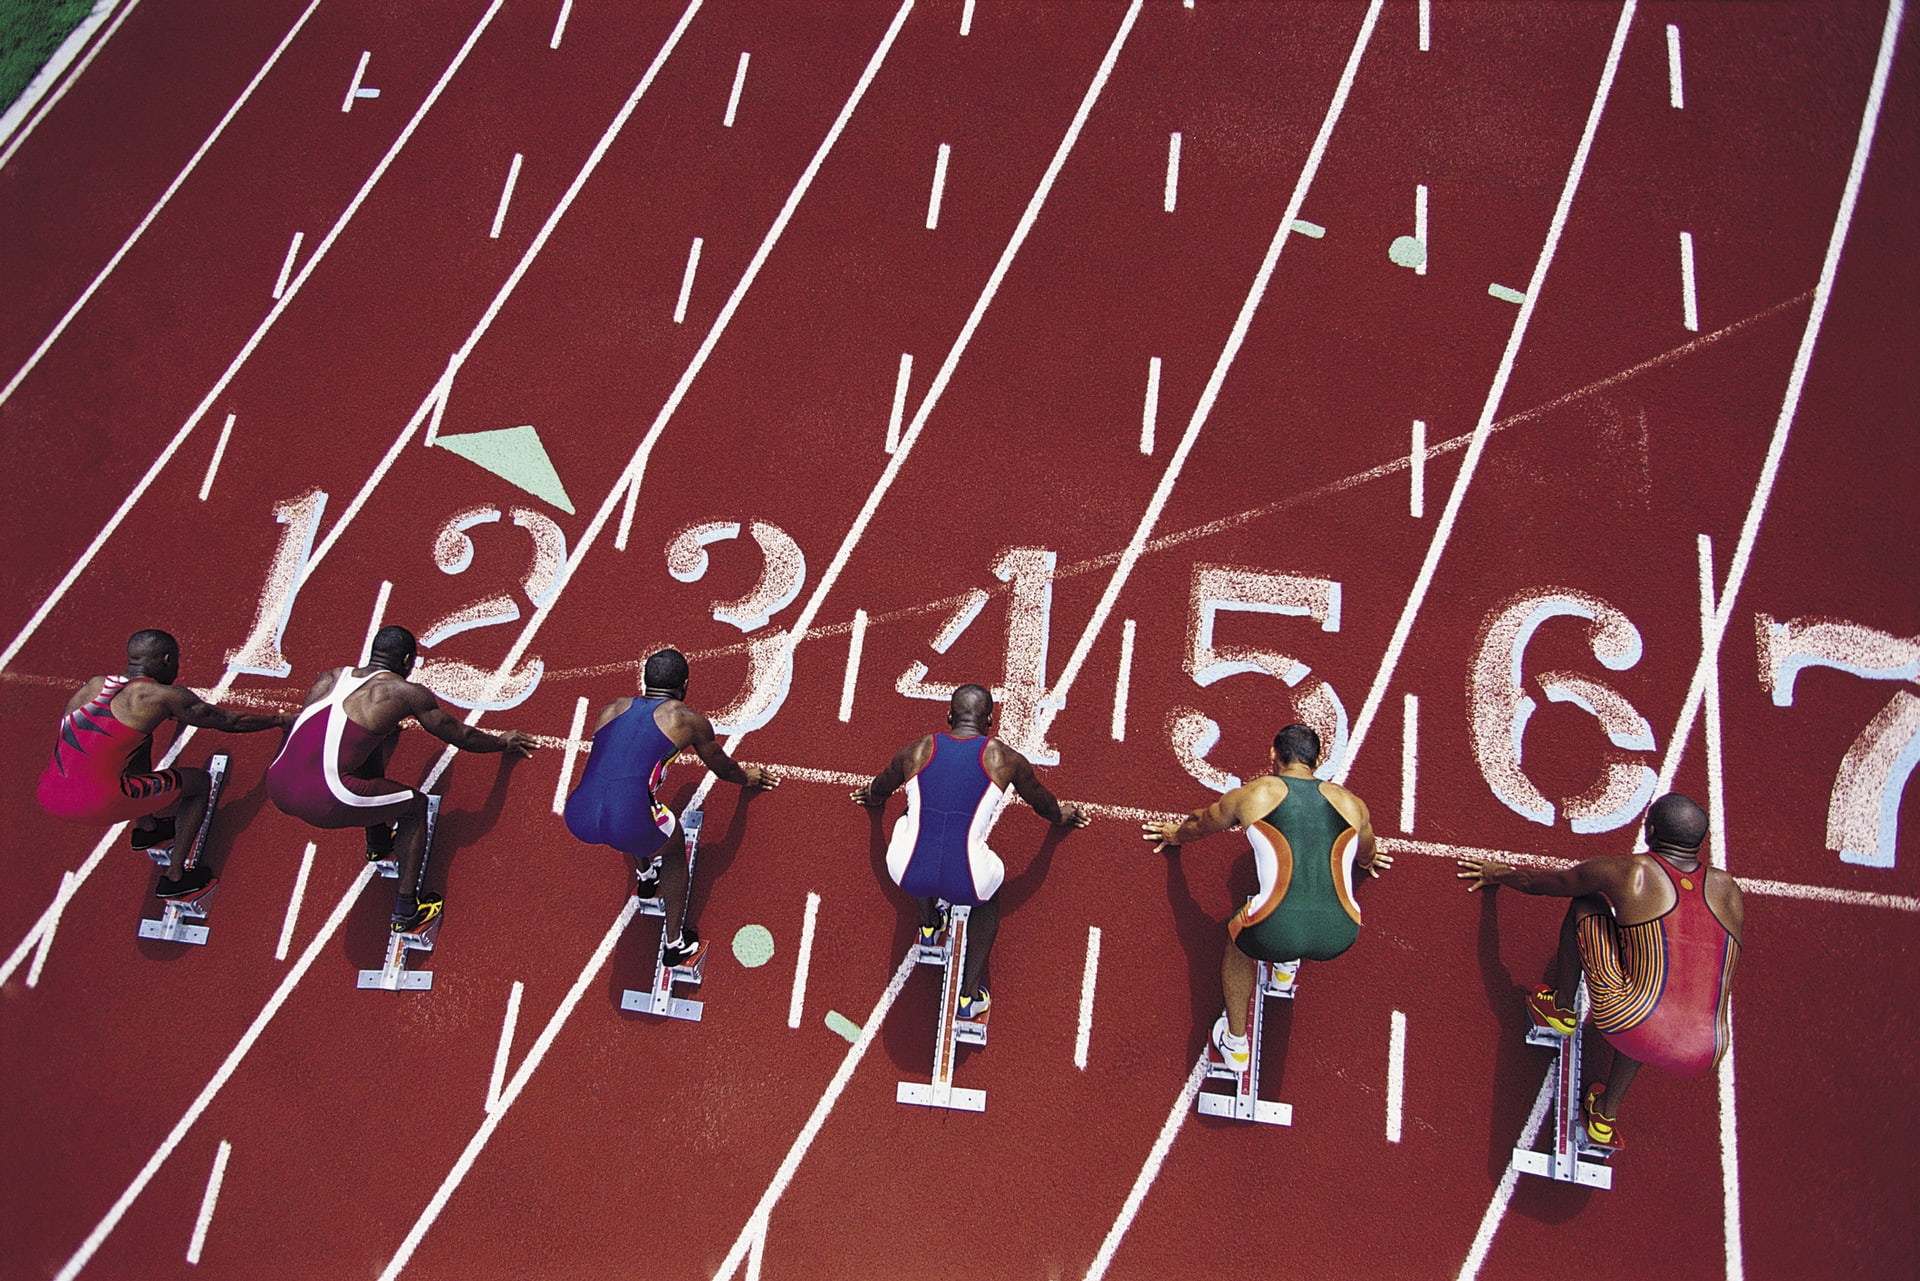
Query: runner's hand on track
x=1381 y=862
x=1480 y=874
x=1161 y=834
x=1072 y=815
x=759 y=776
x=517 y=746
x=863 y=795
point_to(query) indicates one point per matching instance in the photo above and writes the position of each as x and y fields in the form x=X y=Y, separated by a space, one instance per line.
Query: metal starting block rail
x=1275 y=979
x=393 y=975
x=941 y=1091
x=659 y=999
x=1570 y=1157
x=176 y=923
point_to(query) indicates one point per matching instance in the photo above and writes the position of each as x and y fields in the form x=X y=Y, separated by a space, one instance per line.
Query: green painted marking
x=753 y=946
x=843 y=1025
x=516 y=454
x=1306 y=228
x=1505 y=294
x=1407 y=251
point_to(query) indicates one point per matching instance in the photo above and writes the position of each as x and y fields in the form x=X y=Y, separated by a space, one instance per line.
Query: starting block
x=393 y=975
x=1571 y=1157
x=1271 y=979
x=941 y=1091
x=175 y=923
x=659 y=999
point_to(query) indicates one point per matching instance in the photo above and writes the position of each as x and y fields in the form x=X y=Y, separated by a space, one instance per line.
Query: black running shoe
x=193 y=883
x=145 y=838
x=647 y=880
x=426 y=911
x=380 y=842
x=685 y=951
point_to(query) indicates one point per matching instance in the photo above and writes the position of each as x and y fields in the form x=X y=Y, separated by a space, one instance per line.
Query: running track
x=1586 y=450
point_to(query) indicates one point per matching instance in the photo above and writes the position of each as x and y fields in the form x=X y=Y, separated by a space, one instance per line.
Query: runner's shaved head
x=1677 y=822
x=393 y=644
x=151 y=643
x=666 y=669
x=971 y=702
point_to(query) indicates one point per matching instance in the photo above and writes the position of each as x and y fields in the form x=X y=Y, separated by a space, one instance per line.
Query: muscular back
x=1640 y=891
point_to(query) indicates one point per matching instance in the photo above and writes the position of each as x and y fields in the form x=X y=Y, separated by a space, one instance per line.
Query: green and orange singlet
x=1303 y=852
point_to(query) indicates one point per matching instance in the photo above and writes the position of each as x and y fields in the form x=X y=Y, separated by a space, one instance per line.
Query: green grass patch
x=30 y=31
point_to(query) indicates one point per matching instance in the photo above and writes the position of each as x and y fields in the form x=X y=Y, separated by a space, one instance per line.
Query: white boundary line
x=50 y=925
x=1122 y=683
x=939 y=186
x=505 y=1047
x=899 y=412
x=1390 y=662
x=293 y=904
x=353 y=86
x=1675 y=98
x=1503 y=1191
x=1717 y=817
x=49 y=73
x=260 y=333
x=1182 y=1104
x=1396 y=1073
x=506 y=196
x=1420 y=229
x=1150 y=411
x=208 y=1200
x=803 y=960
x=560 y=24
x=733 y=99
x=686 y=282
x=1417 y=469
x=573 y=754
x=1088 y=976
x=1409 y=759
x=219 y=452
x=856 y=642
x=1689 y=299
x=158 y=205
x=286 y=265
x=1173 y=172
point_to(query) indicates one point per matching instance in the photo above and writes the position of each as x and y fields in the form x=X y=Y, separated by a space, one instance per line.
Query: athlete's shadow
x=1204 y=939
x=235 y=814
x=1517 y=1071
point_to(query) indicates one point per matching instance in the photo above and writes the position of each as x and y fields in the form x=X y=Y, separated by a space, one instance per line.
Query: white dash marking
x=1677 y=99
x=207 y=1201
x=966 y=18
x=899 y=412
x=1689 y=302
x=855 y=643
x=1087 y=978
x=626 y=517
x=686 y=283
x=1716 y=796
x=499 y=1076
x=1420 y=227
x=1497 y=1208
x=353 y=90
x=803 y=961
x=939 y=186
x=560 y=25
x=1182 y=1104
x=733 y=99
x=506 y=195
x=67 y=884
x=1396 y=1075
x=1122 y=682
x=374 y=624
x=1417 y=471
x=286 y=268
x=293 y=904
x=1173 y=170
x=1409 y=759
x=1150 y=415
x=220 y=449
x=572 y=755
x=1426 y=25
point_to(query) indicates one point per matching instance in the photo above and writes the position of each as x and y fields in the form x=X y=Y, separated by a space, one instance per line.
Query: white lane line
x=1136 y=546
x=733 y=99
x=1087 y=979
x=803 y=960
x=1417 y=470
x=1182 y=1104
x=1716 y=793
x=49 y=73
x=286 y=265
x=68 y=882
x=213 y=464
x=1122 y=682
x=1730 y=1163
x=279 y=308
x=1426 y=25
x=1420 y=227
x=1689 y=301
x=756 y=1225
x=207 y=1201
x=626 y=518
x=758 y=1249
x=1150 y=412
x=1675 y=98
x=1389 y=663
x=353 y=90
x=686 y=283
x=506 y=196
x=437 y=402
x=165 y=196
x=1783 y=426
x=220 y=1078
x=376 y=621
x=899 y=411
x=966 y=18
x=505 y=1047
x=856 y=641
x=939 y=186
x=574 y=740
x=1409 y=759
x=1396 y=1074
x=1173 y=171
x=560 y=24
x=293 y=904
x=1503 y=1193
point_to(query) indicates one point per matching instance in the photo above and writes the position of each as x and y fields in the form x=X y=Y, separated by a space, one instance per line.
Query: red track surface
x=641 y=1147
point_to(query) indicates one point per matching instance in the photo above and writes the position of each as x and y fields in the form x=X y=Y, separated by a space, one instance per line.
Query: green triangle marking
x=516 y=454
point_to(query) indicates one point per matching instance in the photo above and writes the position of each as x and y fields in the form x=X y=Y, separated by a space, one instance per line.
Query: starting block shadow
x=177 y=919
x=953 y=1031
x=659 y=999
x=1571 y=1157
x=1271 y=979
x=393 y=975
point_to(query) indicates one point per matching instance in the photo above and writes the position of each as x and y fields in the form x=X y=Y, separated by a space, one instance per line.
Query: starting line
x=176 y=916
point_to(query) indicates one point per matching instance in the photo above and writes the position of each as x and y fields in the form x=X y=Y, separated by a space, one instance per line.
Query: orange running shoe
x=1548 y=1013
x=1601 y=1131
